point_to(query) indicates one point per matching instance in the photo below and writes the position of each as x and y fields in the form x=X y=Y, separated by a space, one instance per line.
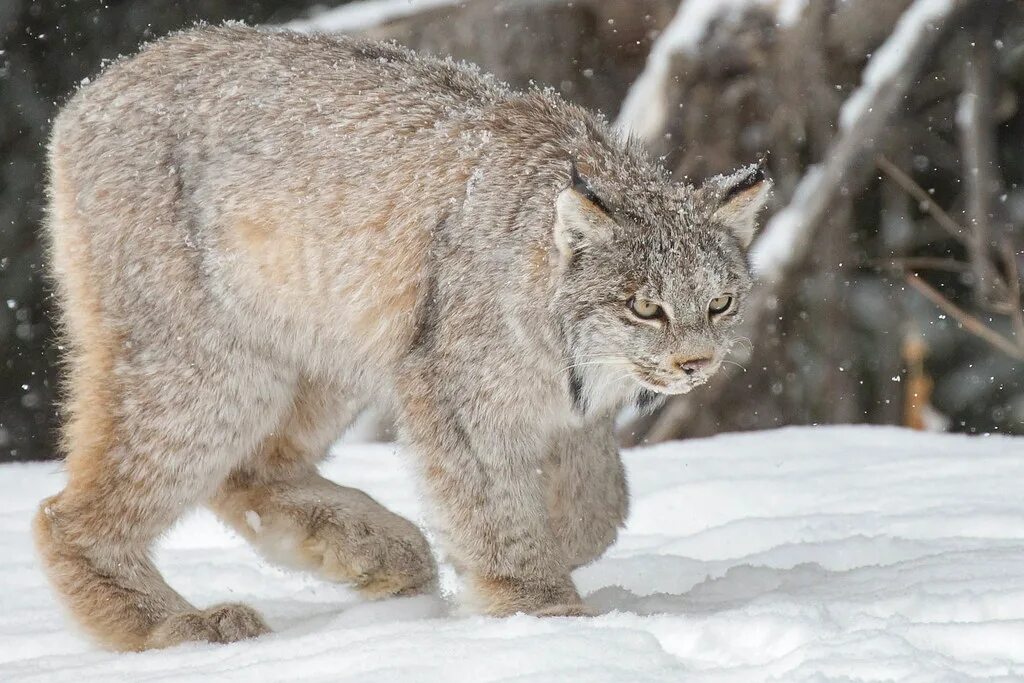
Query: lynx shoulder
x=257 y=234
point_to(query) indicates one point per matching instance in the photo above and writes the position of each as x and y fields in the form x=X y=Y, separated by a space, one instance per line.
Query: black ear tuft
x=740 y=196
x=754 y=177
x=581 y=219
x=579 y=184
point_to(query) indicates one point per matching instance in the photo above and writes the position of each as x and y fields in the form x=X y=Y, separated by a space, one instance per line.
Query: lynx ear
x=740 y=197
x=581 y=218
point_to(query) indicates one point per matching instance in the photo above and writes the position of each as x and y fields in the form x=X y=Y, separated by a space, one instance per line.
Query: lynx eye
x=720 y=304
x=644 y=309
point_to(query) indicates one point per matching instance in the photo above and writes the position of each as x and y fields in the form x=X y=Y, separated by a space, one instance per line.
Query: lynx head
x=652 y=277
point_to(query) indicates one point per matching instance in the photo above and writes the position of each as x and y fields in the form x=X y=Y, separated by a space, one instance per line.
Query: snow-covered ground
x=820 y=553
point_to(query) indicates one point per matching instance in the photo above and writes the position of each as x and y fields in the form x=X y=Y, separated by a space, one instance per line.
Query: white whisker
x=745 y=340
x=726 y=360
x=627 y=373
x=605 y=361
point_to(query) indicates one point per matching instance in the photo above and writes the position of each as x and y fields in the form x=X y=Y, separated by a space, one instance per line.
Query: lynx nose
x=690 y=365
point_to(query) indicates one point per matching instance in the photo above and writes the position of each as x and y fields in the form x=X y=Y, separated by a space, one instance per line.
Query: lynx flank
x=257 y=234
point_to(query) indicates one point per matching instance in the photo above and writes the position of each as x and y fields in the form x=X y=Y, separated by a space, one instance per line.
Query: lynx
x=256 y=234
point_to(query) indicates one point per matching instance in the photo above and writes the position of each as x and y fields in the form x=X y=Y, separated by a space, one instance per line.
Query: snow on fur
x=801 y=554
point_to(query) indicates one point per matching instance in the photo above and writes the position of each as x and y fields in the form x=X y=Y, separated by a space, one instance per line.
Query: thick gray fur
x=255 y=234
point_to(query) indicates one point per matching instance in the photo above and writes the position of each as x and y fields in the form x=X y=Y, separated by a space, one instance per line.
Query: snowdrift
x=813 y=553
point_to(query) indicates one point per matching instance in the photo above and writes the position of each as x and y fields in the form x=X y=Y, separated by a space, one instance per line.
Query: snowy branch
x=645 y=108
x=886 y=80
x=358 y=16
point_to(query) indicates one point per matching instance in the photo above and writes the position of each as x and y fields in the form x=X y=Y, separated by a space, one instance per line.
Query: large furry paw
x=503 y=596
x=377 y=561
x=224 y=623
x=570 y=610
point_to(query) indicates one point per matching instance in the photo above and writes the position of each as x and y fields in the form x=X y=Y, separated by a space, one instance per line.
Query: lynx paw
x=378 y=562
x=505 y=596
x=568 y=610
x=225 y=623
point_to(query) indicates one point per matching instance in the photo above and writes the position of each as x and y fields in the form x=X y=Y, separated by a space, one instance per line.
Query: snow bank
x=800 y=554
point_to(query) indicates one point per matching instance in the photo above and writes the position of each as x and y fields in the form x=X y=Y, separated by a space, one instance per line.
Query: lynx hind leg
x=161 y=404
x=299 y=519
x=131 y=474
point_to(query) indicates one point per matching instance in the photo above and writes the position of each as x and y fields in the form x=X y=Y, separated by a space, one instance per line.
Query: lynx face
x=652 y=289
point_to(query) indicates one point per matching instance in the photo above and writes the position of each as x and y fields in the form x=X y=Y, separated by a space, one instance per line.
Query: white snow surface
x=845 y=553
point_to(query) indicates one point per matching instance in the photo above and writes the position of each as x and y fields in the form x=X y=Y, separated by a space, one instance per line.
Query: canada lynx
x=255 y=234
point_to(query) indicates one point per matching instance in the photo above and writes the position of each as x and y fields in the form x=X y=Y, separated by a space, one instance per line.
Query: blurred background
x=893 y=253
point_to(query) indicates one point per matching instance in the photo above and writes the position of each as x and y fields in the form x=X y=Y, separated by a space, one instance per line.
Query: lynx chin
x=256 y=234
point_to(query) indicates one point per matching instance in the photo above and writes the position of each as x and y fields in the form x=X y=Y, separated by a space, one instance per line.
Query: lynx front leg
x=587 y=496
x=489 y=493
x=338 y=533
x=299 y=519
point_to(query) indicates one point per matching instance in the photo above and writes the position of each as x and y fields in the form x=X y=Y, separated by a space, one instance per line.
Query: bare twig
x=887 y=78
x=970 y=323
x=925 y=263
x=925 y=201
x=929 y=206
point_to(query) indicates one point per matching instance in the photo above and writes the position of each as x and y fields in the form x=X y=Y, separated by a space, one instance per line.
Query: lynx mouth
x=670 y=386
x=651 y=383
